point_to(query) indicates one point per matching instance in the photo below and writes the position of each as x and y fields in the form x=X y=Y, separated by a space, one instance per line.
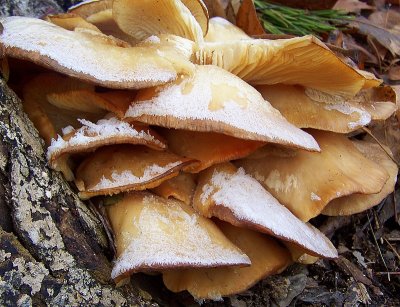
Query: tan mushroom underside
x=267 y=257
x=152 y=233
x=90 y=7
x=207 y=147
x=99 y=13
x=306 y=182
x=48 y=118
x=144 y=18
x=180 y=187
x=302 y=61
x=88 y=100
x=200 y=12
x=356 y=203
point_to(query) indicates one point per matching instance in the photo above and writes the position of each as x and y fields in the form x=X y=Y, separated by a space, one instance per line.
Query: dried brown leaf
x=247 y=19
x=394 y=73
x=387 y=38
x=352 y=6
x=389 y=20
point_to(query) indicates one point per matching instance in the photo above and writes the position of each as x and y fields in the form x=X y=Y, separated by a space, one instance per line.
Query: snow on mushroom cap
x=104 y=132
x=223 y=188
x=153 y=233
x=118 y=168
x=215 y=100
x=87 y=56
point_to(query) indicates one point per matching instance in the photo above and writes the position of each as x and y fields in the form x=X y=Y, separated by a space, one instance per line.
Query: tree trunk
x=51 y=245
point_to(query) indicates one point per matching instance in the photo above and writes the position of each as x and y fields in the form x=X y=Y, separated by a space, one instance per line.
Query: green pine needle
x=279 y=19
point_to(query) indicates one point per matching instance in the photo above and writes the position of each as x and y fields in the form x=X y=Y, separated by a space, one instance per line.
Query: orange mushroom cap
x=306 y=182
x=117 y=168
x=153 y=233
x=267 y=257
x=217 y=101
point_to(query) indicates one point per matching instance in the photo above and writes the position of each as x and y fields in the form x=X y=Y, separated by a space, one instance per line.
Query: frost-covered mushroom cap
x=303 y=61
x=152 y=233
x=215 y=100
x=356 y=203
x=306 y=182
x=144 y=18
x=233 y=196
x=267 y=257
x=117 y=168
x=105 y=132
x=89 y=56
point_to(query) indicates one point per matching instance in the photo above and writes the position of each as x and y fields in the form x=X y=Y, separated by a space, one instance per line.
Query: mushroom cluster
x=189 y=132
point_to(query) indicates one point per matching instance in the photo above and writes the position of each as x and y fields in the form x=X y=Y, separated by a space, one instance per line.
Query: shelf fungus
x=305 y=182
x=213 y=181
x=50 y=116
x=153 y=234
x=309 y=108
x=180 y=187
x=356 y=203
x=115 y=169
x=91 y=136
x=304 y=61
x=266 y=254
x=207 y=147
x=88 y=55
x=233 y=196
x=213 y=100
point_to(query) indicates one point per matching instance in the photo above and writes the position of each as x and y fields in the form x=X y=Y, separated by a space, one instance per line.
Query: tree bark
x=51 y=245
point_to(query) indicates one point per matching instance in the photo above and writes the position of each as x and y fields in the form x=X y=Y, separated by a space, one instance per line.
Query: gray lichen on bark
x=31 y=8
x=55 y=254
